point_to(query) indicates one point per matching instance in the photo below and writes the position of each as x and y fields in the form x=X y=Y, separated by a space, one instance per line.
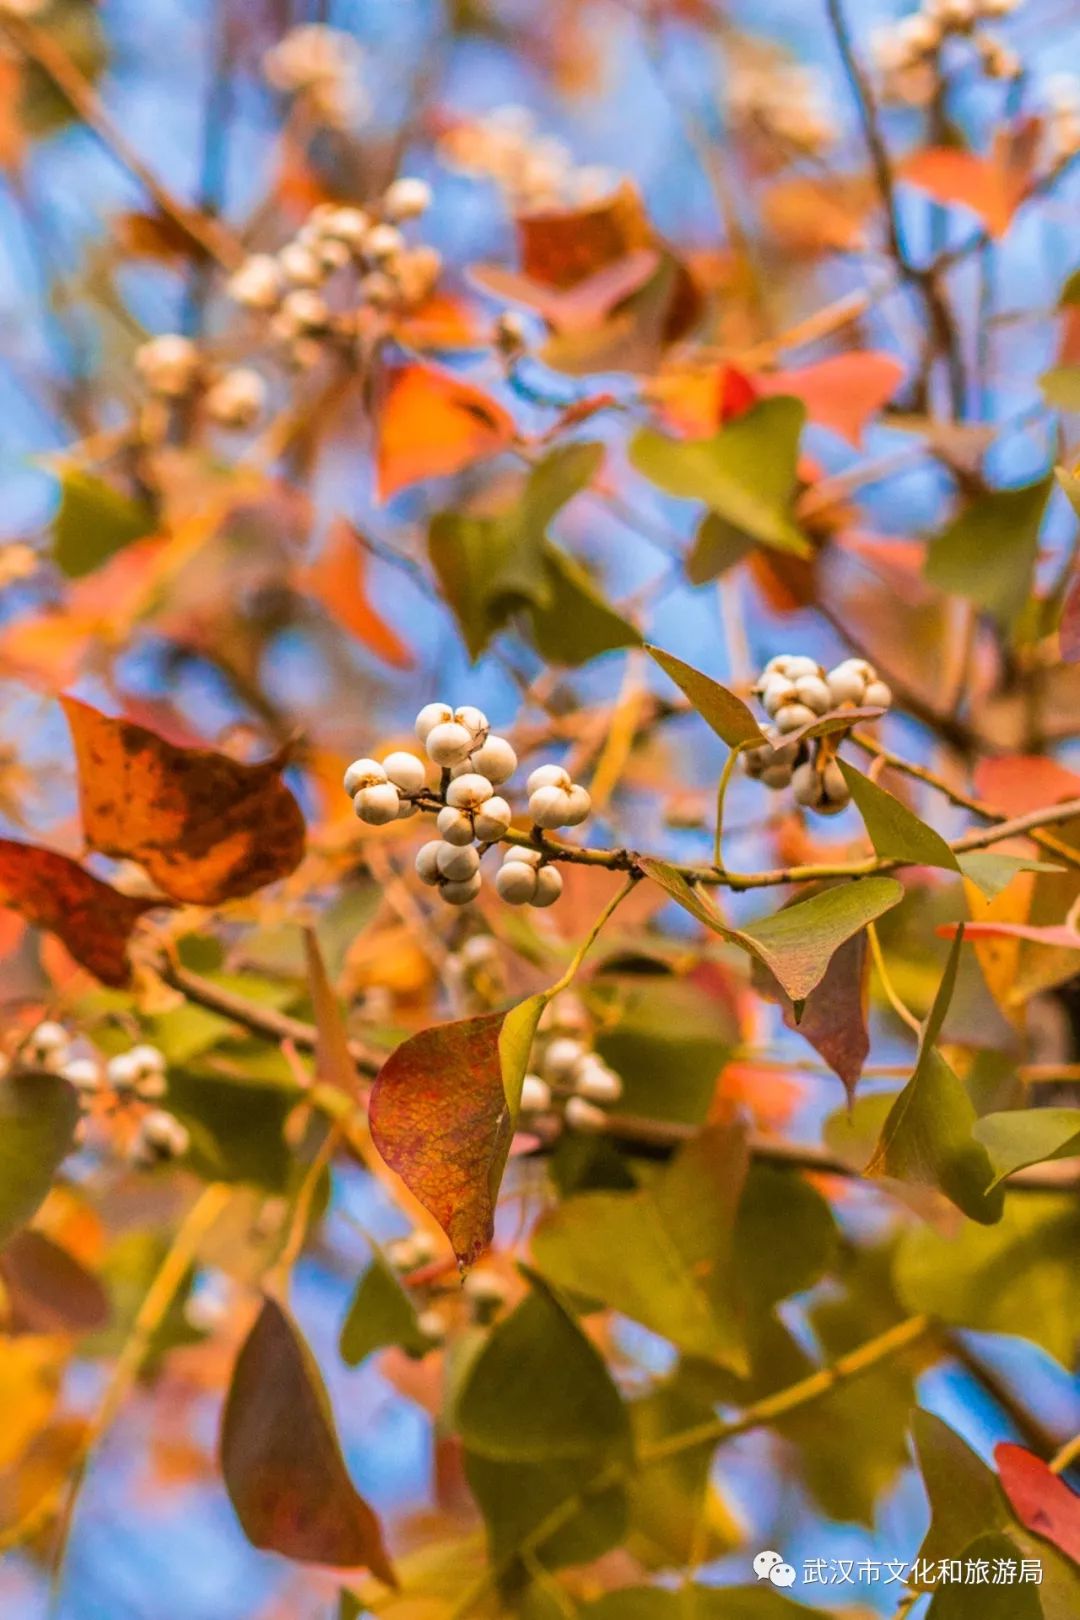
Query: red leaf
x=441 y=1118
x=843 y=393
x=281 y=1459
x=1041 y=1501
x=336 y=580
x=561 y=247
x=834 y=1015
x=992 y=186
x=205 y=827
x=431 y=425
x=1059 y=935
x=54 y=892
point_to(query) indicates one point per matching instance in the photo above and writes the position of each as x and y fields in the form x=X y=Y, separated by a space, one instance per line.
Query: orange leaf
x=560 y=247
x=993 y=187
x=431 y=425
x=580 y=308
x=281 y=1459
x=842 y=393
x=12 y=133
x=1017 y=783
x=54 y=892
x=336 y=579
x=205 y=827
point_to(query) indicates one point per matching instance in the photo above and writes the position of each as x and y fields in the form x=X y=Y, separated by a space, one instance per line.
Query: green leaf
x=515 y=1497
x=727 y=714
x=576 y=623
x=965 y=1498
x=38 y=1116
x=662 y=1255
x=717 y=546
x=489 y=568
x=895 y=831
x=782 y=1216
x=539 y=1391
x=992 y=873
x=666 y=1039
x=1021 y=1276
x=927 y=1138
x=1061 y=388
x=381 y=1314
x=442 y=1114
x=237 y=1126
x=1028 y=1136
x=985 y=1600
x=796 y=943
x=676 y=1517
x=93 y=521
x=746 y=473
x=988 y=553
x=281 y=1459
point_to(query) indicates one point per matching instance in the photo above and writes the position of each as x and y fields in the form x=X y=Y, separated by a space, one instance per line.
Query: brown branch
x=43 y=49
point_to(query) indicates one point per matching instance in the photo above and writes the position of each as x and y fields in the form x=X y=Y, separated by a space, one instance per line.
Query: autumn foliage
x=540 y=793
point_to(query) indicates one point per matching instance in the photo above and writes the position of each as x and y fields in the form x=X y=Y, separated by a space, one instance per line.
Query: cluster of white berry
x=322 y=68
x=135 y=1076
x=783 y=101
x=1061 y=97
x=535 y=172
x=483 y=1288
x=568 y=1067
x=470 y=814
x=795 y=691
x=174 y=370
x=386 y=273
x=907 y=52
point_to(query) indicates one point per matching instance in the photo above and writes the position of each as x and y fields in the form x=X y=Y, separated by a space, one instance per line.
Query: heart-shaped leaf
x=281 y=1459
x=94 y=920
x=442 y=1115
x=895 y=831
x=205 y=827
x=38 y=1115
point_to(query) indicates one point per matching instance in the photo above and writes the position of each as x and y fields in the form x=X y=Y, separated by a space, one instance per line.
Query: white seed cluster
x=907 y=52
x=780 y=100
x=795 y=691
x=534 y=172
x=568 y=1067
x=173 y=369
x=323 y=67
x=343 y=264
x=470 y=813
x=159 y=1138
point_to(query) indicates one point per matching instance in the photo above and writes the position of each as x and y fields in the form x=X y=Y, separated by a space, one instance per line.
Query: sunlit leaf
x=431 y=424
x=833 y=1016
x=927 y=1138
x=988 y=552
x=1029 y=1136
x=93 y=521
x=92 y=919
x=540 y=1391
x=205 y=827
x=727 y=714
x=662 y=1255
x=38 y=1115
x=442 y=1115
x=281 y=1459
x=745 y=473
x=895 y=831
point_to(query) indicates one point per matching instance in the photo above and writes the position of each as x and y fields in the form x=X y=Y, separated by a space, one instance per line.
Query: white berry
x=580 y=806
x=535 y=1095
x=548 y=776
x=407 y=198
x=469 y=792
x=426 y=863
x=563 y=1058
x=258 y=284
x=515 y=882
x=460 y=893
x=597 y=1082
x=363 y=773
x=549 y=886
x=793 y=716
x=813 y=691
x=377 y=805
x=494 y=759
x=551 y=807
x=878 y=695
x=582 y=1115
x=448 y=743
x=430 y=716
x=475 y=721
x=455 y=826
x=492 y=821
x=405 y=771
x=846 y=684
x=456 y=863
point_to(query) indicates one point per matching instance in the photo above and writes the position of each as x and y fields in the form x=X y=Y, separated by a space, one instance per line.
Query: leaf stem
x=591 y=937
x=899 y=1007
x=721 y=795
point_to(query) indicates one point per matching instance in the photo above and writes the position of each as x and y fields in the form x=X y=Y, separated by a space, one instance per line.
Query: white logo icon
x=770 y=1566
